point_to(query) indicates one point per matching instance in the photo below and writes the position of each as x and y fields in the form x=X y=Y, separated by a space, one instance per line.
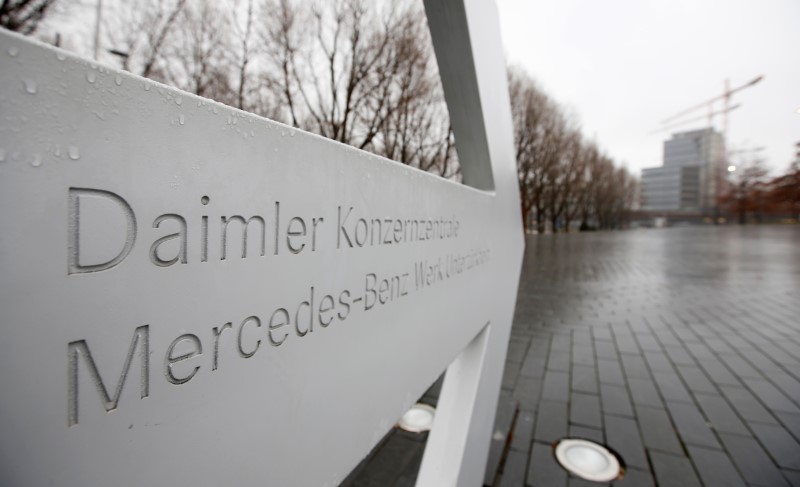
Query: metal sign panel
x=192 y=294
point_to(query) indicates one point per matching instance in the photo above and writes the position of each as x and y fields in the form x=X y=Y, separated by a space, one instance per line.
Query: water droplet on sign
x=61 y=56
x=283 y=133
x=37 y=161
x=91 y=77
x=291 y=134
x=2 y=155
x=178 y=101
x=13 y=51
x=214 y=109
x=146 y=86
x=181 y=119
x=57 y=152
x=30 y=86
x=252 y=133
x=118 y=80
x=74 y=153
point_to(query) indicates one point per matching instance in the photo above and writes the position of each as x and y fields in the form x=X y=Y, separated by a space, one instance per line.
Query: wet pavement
x=678 y=348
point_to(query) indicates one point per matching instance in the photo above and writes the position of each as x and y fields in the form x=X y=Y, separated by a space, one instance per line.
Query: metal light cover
x=588 y=460
x=418 y=418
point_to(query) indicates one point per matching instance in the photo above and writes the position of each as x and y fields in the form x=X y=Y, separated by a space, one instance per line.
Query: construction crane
x=710 y=117
x=725 y=96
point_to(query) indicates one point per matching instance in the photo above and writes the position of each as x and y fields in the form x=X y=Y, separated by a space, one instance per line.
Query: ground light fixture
x=588 y=460
x=418 y=418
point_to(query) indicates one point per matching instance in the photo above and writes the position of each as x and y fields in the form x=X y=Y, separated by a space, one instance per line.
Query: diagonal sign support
x=466 y=38
x=192 y=294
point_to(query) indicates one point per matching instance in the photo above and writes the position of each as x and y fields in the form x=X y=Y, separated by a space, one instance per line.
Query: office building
x=687 y=181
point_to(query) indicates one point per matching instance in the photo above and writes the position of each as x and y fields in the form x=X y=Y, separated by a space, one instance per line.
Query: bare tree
x=245 y=35
x=747 y=193
x=200 y=57
x=137 y=32
x=23 y=16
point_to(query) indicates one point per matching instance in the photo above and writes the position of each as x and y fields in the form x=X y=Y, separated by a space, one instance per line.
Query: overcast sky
x=624 y=65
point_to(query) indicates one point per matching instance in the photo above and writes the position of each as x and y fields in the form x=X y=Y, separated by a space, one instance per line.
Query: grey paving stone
x=719 y=373
x=720 y=414
x=679 y=356
x=527 y=392
x=533 y=366
x=644 y=393
x=610 y=372
x=606 y=350
x=584 y=410
x=772 y=396
x=510 y=374
x=674 y=470
x=624 y=438
x=522 y=434
x=791 y=422
x=696 y=379
x=647 y=343
x=601 y=333
x=786 y=383
x=752 y=462
x=506 y=412
x=657 y=431
x=586 y=433
x=740 y=366
x=615 y=400
x=561 y=343
x=700 y=351
x=635 y=478
x=577 y=482
x=584 y=379
x=627 y=344
x=715 y=467
x=784 y=449
x=747 y=405
x=793 y=476
x=658 y=362
x=634 y=366
x=763 y=363
x=543 y=470
x=691 y=425
x=551 y=421
x=556 y=386
x=516 y=350
x=514 y=470
x=671 y=387
x=558 y=360
x=583 y=354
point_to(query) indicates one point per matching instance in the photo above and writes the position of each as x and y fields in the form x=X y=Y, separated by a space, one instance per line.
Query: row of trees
x=355 y=72
x=753 y=195
x=564 y=177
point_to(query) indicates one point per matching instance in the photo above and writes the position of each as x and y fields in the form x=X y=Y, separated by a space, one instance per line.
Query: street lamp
x=731 y=168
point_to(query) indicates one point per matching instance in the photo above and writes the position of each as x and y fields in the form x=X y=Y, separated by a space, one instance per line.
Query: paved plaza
x=678 y=348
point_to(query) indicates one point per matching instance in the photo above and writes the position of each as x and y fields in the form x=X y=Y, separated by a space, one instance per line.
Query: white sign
x=193 y=295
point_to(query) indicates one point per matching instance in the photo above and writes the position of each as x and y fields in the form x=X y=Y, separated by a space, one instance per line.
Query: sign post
x=192 y=294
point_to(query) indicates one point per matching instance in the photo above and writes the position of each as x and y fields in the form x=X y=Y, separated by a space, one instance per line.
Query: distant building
x=686 y=182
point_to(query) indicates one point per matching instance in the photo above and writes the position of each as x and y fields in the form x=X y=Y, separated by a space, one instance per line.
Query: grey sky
x=625 y=65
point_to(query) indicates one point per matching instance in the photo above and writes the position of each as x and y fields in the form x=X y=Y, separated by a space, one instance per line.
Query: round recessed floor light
x=417 y=419
x=588 y=460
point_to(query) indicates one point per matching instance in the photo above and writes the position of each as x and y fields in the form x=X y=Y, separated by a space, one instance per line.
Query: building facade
x=687 y=181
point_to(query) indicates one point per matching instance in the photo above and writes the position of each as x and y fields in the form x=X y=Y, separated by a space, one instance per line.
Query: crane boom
x=726 y=94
